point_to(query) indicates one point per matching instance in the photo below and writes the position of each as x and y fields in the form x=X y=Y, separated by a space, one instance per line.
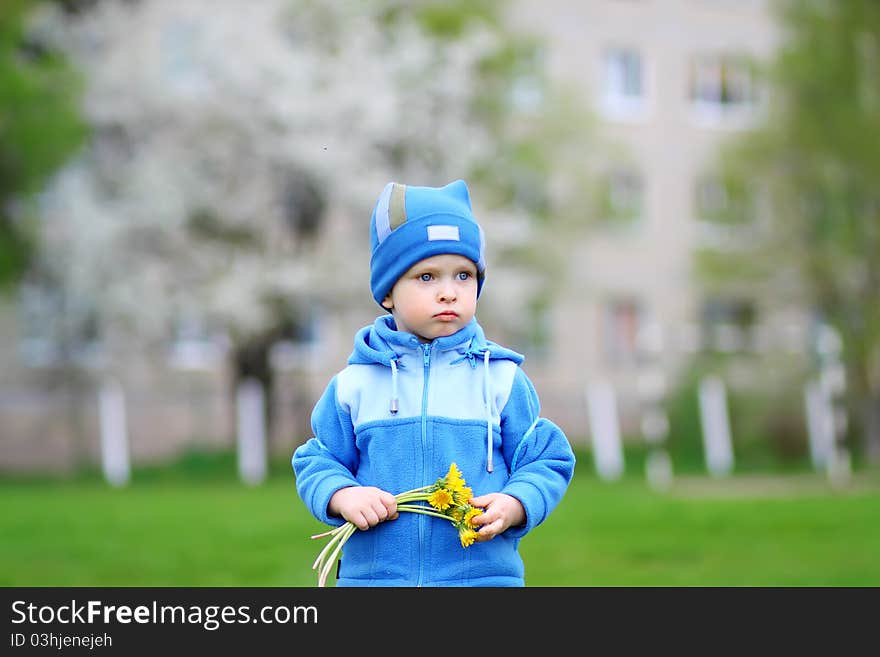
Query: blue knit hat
x=413 y=223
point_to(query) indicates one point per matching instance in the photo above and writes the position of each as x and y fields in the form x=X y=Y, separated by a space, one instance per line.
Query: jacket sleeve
x=327 y=461
x=537 y=452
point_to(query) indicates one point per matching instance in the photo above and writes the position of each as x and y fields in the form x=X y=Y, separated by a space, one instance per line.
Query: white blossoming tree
x=238 y=148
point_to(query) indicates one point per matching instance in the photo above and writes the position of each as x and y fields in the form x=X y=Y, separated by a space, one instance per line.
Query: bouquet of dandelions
x=446 y=498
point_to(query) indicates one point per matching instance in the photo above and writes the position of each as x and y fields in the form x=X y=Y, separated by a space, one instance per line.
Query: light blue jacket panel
x=454 y=403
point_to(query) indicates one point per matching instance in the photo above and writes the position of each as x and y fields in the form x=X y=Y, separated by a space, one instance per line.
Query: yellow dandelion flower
x=467 y=537
x=449 y=495
x=440 y=499
x=469 y=516
x=454 y=479
x=463 y=495
x=457 y=512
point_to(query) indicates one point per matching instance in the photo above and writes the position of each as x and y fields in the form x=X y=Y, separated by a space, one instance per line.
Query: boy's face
x=436 y=297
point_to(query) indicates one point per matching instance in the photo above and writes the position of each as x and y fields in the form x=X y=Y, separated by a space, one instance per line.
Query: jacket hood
x=381 y=343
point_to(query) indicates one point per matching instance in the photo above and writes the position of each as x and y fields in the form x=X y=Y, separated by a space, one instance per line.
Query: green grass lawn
x=750 y=530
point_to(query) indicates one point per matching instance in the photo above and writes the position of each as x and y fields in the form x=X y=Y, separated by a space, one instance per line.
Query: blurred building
x=668 y=81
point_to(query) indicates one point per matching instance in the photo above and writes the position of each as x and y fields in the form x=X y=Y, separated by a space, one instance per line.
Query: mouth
x=446 y=315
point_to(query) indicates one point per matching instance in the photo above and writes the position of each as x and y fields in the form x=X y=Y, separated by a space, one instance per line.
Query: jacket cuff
x=533 y=503
x=323 y=494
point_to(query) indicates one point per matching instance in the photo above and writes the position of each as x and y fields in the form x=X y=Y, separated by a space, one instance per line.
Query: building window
x=728 y=324
x=621 y=198
x=623 y=84
x=725 y=215
x=712 y=199
x=622 y=319
x=299 y=342
x=732 y=4
x=55 y=331
x=722 y=86
x=527 y=92
x=194 y=346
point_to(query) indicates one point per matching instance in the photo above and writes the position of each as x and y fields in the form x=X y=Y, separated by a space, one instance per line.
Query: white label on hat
x=443 y=233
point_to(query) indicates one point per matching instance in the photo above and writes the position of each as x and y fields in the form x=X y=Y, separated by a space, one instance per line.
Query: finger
x=489 y=531
x=485 y=518
x=360 y=521
x=380 y=511
x=481 y=519
x=372 y=517
x=481 y=501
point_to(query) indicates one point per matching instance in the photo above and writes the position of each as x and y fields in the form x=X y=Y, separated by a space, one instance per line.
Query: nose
x=446 y=293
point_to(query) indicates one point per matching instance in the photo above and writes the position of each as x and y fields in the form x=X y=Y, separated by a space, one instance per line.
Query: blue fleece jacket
x=459 y=398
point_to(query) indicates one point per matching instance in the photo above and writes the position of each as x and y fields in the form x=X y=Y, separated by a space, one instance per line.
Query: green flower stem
x=325 y=571
x=412 y=508
x=407 y=501
x=340 y=535
x=413 y=496
x=335 y=530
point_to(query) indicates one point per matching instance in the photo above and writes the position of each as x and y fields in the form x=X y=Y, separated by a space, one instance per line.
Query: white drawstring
x=487 y=400
x=393 y=406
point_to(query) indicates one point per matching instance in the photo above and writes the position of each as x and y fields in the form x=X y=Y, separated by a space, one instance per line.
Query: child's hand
x=500 y=511
x=363 y=506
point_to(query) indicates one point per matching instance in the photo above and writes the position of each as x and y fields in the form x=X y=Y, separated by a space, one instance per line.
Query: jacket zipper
x=426 y=349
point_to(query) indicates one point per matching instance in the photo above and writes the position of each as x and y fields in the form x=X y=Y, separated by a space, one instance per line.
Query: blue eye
x=425 y=277
x=463 y=276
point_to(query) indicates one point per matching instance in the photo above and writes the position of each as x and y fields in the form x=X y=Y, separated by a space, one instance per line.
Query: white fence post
x=832 y=382
x=251 y=431
x=605 y=430
x=715 y=422
x=115 y=461
x=820 y=425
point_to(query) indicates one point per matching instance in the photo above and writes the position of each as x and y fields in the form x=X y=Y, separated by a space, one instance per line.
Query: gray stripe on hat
x=397 y=206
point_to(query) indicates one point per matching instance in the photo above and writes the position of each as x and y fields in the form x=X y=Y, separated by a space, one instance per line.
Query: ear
x=387 y=303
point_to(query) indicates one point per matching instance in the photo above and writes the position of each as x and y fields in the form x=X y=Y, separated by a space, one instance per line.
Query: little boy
x=424 y=388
